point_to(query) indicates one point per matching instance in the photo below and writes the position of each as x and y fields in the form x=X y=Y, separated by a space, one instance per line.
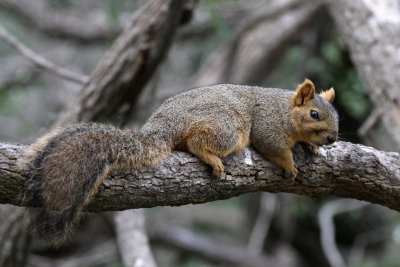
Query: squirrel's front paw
x=291 y=174
x=312 y=149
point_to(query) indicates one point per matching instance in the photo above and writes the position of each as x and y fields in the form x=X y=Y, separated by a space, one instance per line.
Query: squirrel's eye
x=314 y=114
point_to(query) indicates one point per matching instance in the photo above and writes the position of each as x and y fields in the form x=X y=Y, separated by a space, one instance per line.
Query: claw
x=292 y=174
x=312 y=149
x=218 y=171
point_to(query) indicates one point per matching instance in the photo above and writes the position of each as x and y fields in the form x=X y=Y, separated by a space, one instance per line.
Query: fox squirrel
x=67 y=165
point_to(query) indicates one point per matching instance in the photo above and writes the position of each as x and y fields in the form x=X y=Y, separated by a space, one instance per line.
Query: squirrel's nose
x=332 y=138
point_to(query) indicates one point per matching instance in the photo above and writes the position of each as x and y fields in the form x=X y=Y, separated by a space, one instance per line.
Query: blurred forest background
x=266 y=43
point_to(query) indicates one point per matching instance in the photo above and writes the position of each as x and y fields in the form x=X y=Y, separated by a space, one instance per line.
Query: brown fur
x=328 y=94
x=67 y=165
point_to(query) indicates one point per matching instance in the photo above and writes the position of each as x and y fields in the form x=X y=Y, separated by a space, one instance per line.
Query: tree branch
x=39 y=60
x=103 y=254
x=343 y=169
x=53 y=22
x=213 y=250
x=132 y=238
x=258 y=235
x=327 y=227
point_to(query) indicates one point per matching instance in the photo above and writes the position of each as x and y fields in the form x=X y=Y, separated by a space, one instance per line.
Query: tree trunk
x=371 y=30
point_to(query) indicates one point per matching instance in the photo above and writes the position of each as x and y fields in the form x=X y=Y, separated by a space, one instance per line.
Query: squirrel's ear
x=328 y=95
x=304 y=92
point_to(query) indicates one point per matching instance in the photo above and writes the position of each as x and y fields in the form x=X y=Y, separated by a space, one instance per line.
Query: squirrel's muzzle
x=332 y=137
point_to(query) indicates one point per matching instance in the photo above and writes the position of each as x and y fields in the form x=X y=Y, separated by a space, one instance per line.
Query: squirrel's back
x=222 y=102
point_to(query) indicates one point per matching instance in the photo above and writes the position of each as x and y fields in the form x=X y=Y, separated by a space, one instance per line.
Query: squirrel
x=66 y=166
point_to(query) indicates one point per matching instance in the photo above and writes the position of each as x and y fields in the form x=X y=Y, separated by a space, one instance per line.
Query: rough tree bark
x=343 y=169
x=371 y=30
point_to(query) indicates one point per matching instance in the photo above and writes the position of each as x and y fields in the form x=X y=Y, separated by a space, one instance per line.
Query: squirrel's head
x=314 y=118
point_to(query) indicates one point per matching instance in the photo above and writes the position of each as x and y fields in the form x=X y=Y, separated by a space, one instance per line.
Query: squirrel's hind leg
x=208 y=141
x=206 y=156
x=204 y=145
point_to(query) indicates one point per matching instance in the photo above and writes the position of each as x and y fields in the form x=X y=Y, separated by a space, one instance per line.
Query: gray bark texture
x=342 y=169
x=371 y=30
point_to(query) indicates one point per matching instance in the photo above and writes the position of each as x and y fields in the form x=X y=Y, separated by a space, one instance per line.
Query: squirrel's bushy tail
x=67 y=166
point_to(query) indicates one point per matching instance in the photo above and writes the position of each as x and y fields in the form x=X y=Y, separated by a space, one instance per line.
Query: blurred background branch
x=39 y=60
x=132 y=238
x=60 y=23
x=268 y=203
x=326 y=224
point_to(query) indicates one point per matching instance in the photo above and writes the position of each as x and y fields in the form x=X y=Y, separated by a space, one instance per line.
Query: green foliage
x=60 y=3
x=235 y=202
x=114 y=9
x=302 y=208
x=337 y=68
x=218 y=1
x=220 y=27
x=289 y=68
x=114 y=264
x=390 y=258
x=351 y=92
x=220 y=32
x=12 y=103
x=353 y=95
x=327 y=65
x=10 y=100
x=5 y=105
